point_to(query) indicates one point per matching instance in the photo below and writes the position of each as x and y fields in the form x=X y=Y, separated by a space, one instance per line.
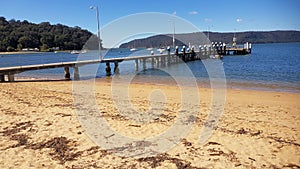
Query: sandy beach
x=39 y=128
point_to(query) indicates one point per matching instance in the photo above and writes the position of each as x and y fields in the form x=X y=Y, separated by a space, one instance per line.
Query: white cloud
x=193 y=13
x=208 y=20
x=174 y=13
x=239 y=20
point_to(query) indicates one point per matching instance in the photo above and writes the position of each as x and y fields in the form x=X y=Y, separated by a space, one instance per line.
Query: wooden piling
x=152 y=62
x=116 y=68
x=76 y=73
x=176 y=58
x=11 y=77
x=193 y=55
x=108 y=69
x=163 y=61
x=144 y=63
x=67 y=73
x=2 y=78
x=136 y=65
x=205 y=51
x=157 y=62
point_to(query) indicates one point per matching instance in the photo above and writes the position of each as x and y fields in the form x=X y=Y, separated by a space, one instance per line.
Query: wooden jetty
x=156 y=61
x=223 y=50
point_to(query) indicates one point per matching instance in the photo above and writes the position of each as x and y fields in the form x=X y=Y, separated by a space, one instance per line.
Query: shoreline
x=168 y=81
x=19 y=52
x=29 y=52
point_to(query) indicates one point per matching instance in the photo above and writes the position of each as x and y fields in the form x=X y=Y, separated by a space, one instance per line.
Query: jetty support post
x=157 y=62
x=116 y=68
x=193 y=54
x=144 y=63
x=187 y=57
x=67 y=73
x=175 y=58
x=76 y=73
x=202 y=54
x=163 y=61
x=215 y=51
x=136 y=65
x=2 y=78
x=11 y=77
x=108 y=69
x=209 y=51
x=235 y=52
x=179 y=58
x=169 y=58
x=218 y=49
x=199 y=53
x=152 y=62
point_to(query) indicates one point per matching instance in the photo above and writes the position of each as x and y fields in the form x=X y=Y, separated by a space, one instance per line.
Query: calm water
x=269 y=67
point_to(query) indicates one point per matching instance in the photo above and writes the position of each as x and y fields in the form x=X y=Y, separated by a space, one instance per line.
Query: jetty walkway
x=161 y=60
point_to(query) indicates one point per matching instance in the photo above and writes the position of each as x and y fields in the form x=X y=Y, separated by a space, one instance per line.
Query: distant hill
x=195 y=38
x=18 y=35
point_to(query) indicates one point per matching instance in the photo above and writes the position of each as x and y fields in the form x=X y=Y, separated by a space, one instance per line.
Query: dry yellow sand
x=39 y=128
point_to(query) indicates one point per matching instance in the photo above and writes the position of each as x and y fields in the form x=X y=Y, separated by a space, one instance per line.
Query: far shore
x=28 y=52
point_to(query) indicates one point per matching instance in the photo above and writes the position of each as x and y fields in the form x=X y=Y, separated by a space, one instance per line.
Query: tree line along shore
x=24 y=36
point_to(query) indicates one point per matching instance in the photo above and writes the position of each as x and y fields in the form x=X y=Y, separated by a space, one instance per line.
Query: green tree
x=15 y=34
x=25 y=41
x=47 y=39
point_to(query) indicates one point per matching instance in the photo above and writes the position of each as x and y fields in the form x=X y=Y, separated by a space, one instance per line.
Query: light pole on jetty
x=174 y=35
x=173 y=22
x=98 y=29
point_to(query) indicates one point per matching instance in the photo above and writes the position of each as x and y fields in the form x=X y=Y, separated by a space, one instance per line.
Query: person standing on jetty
x=176 y=50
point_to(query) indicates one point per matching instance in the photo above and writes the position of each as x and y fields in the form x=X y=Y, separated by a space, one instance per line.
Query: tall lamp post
x=173 y=24
x=174 y=35
x=98 y=29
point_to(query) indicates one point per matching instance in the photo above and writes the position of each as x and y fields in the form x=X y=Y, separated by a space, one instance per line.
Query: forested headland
x=16 y=35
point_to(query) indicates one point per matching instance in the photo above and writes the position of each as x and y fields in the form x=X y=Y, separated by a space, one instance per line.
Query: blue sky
x=217 y=15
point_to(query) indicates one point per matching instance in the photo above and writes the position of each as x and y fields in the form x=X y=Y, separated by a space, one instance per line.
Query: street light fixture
x=98 y=28
x=173 y=33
